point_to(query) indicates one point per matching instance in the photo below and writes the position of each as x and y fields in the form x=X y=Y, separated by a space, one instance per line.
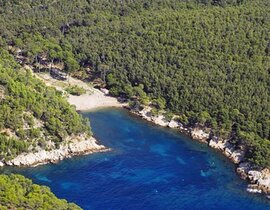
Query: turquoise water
x=148 y=168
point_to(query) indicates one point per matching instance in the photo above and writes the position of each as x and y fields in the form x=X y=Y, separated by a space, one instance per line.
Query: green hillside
x=206 y=60
x=31 y=114
x=20 y=193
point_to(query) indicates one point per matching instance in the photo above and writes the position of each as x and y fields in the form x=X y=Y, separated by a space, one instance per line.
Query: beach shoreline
x=94 y=99
x=81 y=144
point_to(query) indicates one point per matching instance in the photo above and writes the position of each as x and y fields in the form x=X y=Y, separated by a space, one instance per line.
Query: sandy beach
x=92 y=99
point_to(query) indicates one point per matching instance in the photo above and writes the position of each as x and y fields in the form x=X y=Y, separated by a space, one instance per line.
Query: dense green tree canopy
x=206 y=60
x=17 y=192
x=32 y=114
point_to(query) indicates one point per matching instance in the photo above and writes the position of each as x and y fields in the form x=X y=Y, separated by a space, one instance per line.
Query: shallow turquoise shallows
x=148 y=168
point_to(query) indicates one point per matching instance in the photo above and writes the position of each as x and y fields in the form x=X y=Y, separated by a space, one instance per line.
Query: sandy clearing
x=92 y=99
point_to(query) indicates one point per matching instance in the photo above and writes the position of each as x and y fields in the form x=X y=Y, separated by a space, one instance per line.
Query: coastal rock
x=217 y=144
x=259 y=179
x=199 y=134
x=76 y=147
x=88 y=145
x=105 y=91
x=243 y=169
x=253 y=188
x=264 y=184
x=146 y=113
x=238 y=156
x=254 y=176
x=174 y=124
x=228 y=150
x=184 y=130
x=160 y=120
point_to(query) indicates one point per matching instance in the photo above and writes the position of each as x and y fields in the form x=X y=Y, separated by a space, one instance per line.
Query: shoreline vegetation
x=206 y=61
x=37 y=124
x=18 y=192
x=92 y=98
x=258 y=178
x=79 y=145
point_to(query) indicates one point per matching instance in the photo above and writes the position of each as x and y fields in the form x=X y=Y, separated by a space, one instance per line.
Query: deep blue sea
x=148 y=168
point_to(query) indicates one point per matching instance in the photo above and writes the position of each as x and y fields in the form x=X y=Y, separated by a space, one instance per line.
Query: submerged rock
x=253 y=188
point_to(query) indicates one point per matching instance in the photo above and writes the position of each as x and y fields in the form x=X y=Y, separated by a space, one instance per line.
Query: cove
x=148 y=168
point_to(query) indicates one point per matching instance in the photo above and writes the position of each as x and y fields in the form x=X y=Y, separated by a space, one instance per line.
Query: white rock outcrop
x=174 y=124
x=260 y=179
x=265 y=181
x=199 y=134
x=217 y=144
x=73 y=148
x=160 y=120
x=145 y=113
x=254 y=175
x=237 y=156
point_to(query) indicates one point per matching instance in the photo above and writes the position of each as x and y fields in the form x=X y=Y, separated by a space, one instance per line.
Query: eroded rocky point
x=76 y=145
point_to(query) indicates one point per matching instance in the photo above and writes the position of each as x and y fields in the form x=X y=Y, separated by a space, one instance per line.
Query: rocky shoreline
x=258 y=178
x=73 y=147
